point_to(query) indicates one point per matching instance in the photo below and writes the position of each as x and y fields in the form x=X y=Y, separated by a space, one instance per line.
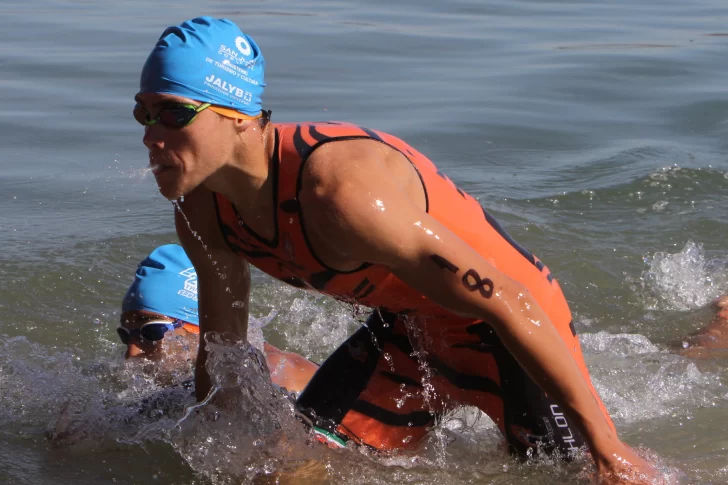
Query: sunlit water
x=594 y=131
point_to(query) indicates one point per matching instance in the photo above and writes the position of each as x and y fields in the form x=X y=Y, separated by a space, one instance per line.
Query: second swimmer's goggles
x=152 y=331
x=172 y=116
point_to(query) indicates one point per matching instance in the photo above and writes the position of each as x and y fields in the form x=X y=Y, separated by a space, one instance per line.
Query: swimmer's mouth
x=159 y=163
x=159 y=168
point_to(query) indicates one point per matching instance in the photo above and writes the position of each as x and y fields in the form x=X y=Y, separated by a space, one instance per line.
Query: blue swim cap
x=209 y=60
x=165 y=283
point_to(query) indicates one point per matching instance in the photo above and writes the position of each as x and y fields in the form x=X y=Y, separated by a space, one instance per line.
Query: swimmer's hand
x=623 y=466
x=711 y=341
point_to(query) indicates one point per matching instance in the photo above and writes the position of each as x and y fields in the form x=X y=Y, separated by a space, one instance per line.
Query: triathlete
x=462 y=313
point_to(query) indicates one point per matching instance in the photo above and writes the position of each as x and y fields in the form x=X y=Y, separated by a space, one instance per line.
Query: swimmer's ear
x=242 y=126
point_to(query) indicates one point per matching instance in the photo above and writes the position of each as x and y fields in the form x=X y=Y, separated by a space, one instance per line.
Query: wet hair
x=265 y=118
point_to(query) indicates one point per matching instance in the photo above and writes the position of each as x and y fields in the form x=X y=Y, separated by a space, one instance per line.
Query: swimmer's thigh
x=369 y=390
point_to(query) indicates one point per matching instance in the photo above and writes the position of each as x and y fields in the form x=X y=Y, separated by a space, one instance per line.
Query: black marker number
x=444 y=263
x=472 y=282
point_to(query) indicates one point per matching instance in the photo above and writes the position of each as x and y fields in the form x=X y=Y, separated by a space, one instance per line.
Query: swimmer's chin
x=171 y=195
x=173 y=192
x=174 y=185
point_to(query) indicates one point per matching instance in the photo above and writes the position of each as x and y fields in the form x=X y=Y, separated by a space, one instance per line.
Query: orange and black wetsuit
x=413 y=360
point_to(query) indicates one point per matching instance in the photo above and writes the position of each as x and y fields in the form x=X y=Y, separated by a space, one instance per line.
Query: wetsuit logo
x=566 y=434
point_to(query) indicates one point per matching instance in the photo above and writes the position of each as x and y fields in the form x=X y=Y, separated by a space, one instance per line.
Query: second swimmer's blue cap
x=165 y=283
x=209 y=60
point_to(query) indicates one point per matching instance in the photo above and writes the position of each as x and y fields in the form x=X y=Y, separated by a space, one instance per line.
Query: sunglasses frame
x=149 y=121
x=133 y=332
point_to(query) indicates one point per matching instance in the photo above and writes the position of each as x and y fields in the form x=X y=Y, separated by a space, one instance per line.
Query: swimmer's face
x=181 y=159
x=178 y=343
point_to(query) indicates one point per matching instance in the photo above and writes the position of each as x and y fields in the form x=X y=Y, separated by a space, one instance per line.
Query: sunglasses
x=152 y=331
x=174 y=116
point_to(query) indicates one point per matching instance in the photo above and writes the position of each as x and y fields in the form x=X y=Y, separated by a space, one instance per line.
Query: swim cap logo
x=190 y=285
x=244 y=50
x=243 y=46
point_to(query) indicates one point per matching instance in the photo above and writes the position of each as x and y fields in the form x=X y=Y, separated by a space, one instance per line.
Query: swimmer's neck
x=245 y=180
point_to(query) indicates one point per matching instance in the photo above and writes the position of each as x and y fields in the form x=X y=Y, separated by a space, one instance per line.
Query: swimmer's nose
x=152 y=138
x=135 y=348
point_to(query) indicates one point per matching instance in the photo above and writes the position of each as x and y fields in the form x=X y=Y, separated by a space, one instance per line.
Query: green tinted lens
x=141 y=115
x=177 y=116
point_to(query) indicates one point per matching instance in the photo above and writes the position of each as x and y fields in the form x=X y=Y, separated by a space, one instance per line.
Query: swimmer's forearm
x=202 y=378
x=223 y=278
x=545 y=357
x=219 y=312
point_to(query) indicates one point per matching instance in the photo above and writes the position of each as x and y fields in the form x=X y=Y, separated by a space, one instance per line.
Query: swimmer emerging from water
x=162 y=301
x=463 y=314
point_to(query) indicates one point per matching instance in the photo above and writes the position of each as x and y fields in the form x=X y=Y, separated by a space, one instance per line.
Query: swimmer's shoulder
x=338 y=162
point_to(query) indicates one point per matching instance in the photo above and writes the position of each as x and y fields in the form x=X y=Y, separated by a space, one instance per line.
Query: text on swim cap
x=227 y=88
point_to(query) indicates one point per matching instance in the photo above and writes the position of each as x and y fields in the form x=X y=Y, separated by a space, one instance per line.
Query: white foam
x=684 y=280
x=638 y=381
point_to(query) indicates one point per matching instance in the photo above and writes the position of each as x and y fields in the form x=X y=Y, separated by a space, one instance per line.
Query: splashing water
x=247 y=426
x=255 y=329
x=178 y=208
x=637 y=381
x=683 y=281
x=314 y=326
x=87 y=406
x=140 y=173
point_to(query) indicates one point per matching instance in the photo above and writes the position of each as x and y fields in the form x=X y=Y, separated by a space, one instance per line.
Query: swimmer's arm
x=288 y=369
x=367 y=218
x=223 y=278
